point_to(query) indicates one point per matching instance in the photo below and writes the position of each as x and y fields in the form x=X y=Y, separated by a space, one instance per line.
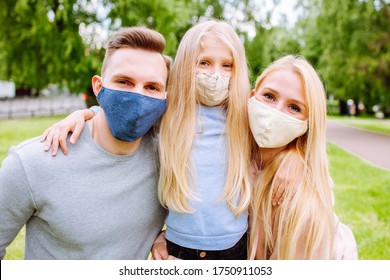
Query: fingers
x=48 y=140
x=281 y=183
x=44 y=135
x=172 y=258
x=278 y=196
x=77 y=131
x=55 y=141
x=62 y=136
x=155 y=255
x=55 y=136
x=159 y=251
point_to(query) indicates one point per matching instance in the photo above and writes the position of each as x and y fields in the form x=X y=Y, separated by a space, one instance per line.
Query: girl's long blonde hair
x=177 y=130
x=302 y=226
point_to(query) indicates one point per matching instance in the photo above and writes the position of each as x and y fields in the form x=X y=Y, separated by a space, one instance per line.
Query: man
x=100 y=201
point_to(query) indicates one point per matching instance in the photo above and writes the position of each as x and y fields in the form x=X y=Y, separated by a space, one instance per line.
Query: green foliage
x=40 y=43
x=170 y=17
x=348 y=41
x=62 y=41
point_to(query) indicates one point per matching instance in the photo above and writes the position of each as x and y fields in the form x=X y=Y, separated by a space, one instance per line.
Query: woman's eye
x=228 y=65
x=295 y=108
x=203 y=63
x=269 y=96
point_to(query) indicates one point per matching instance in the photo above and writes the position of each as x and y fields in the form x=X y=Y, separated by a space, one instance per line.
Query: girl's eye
x=228 y=65
x=203 y=63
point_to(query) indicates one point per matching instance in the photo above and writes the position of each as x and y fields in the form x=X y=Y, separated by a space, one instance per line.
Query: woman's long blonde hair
x=177 y=130
x=302 y=226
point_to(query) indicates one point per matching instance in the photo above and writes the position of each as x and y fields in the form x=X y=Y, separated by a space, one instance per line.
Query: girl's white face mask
x=212 y=89
x=270 y=127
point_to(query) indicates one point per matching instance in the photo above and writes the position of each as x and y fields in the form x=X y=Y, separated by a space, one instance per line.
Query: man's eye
x=153 y=88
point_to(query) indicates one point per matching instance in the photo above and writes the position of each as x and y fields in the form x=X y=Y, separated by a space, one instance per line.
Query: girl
x=287 y=114
x=204 y=145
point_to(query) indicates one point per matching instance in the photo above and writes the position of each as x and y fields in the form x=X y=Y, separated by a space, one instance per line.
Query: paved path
x=371 y=147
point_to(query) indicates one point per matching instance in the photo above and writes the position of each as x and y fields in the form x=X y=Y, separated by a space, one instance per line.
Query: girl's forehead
x=211 y=40
x=213 y=46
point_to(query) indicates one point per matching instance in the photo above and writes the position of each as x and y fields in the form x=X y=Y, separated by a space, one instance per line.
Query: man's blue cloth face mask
x=129 y=114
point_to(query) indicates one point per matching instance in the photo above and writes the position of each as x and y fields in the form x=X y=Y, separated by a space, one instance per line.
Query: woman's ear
x=253 y=92
x=97 y=84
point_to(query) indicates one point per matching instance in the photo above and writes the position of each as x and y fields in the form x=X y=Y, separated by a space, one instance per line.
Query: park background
x=51 y=48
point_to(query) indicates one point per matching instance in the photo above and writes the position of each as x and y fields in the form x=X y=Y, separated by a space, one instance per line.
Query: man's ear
x=97 y=84
x=253 y=92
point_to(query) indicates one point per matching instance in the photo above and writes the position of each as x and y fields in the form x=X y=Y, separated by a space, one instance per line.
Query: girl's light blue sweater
x=211 y=226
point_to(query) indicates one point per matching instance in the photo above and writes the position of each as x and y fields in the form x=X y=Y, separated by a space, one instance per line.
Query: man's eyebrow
x=158 y=84
x=122 y=76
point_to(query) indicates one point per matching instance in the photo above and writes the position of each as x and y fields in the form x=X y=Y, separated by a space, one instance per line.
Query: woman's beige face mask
x=270 y=127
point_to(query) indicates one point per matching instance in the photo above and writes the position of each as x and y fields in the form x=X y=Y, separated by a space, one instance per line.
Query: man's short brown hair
x=136 y=38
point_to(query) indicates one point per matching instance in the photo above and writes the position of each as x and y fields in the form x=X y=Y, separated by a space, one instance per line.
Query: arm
x=16 y=203
x=56 y=135
x=282 y=180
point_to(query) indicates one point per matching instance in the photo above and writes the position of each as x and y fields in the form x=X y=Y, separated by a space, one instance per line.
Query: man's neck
x=102 y=136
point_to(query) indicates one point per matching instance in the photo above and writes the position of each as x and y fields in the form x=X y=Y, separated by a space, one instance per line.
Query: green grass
x=13 y=132
x=362 y=192
x=362 y=202
x=370 y=124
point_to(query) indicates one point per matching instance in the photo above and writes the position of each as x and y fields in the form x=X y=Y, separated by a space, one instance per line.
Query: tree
x=40 y=43
x=349 y=42
x=171 y=18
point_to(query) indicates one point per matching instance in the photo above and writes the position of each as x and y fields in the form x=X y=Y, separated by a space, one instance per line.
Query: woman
x=287 y=114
